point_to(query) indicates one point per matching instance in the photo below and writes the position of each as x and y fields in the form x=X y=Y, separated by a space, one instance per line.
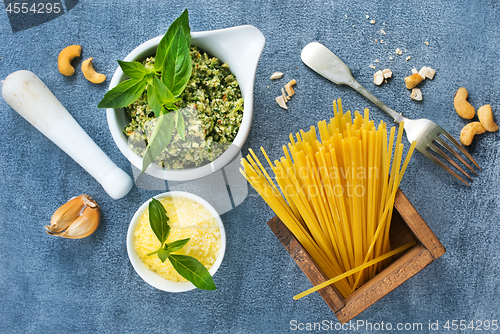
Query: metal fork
x=424 y=131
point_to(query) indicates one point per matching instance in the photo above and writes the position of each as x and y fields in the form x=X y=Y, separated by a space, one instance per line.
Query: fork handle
x=398 y=117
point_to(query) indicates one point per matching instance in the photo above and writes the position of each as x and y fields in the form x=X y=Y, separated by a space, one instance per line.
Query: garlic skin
x=66 y=214
x=78 y=218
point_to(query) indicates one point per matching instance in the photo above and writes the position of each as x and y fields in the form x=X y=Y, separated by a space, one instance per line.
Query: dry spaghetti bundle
x=336 y=193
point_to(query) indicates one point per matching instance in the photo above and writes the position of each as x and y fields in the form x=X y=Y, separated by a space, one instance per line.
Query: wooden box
x=407 y=225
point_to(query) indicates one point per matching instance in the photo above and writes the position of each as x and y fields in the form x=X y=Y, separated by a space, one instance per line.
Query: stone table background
x=54 y=285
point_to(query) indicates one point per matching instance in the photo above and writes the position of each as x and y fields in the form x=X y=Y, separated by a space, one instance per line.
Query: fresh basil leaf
x=177 y=65
x=185 y=25
x=123 y=94
x=153 y=102
x=133 y=69
x=159 y=138
x=161 y=51
x=159 y=95
x=165 y=42
x=177 y=245
x=163 y=94
x=192 y=270
x=180 y=125
x=171 y=106
x=158 y=219
x=163 y=254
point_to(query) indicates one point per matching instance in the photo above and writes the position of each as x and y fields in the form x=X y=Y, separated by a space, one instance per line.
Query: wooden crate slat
x=417 y=225
x=416 y=259
x=330 y=294
x=407 y=225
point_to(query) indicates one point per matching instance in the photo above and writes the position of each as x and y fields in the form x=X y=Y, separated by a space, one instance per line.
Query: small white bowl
x=150 y=276
x=241 y=48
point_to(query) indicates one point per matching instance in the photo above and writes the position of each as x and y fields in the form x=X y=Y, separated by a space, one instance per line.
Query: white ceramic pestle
x=29 y=96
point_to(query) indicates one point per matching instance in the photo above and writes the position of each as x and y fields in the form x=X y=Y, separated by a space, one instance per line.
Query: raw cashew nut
x=486 y=118
x=462 y=106
x=90 y=73
x=65 y=57
x=469 y=131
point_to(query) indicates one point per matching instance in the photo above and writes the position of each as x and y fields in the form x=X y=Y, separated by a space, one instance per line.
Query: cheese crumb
x=387 y=73
x=414 y=70
x=408 y=58
x=281 y=101
x=382 y=31
x=378 y=78
x=276 y=75
x=381 y=76
x=391 y=58
x=372 y=21
x=367 y=16
x=416 y=94
x=423 y=72
x=283 y=98
x=430 y=73
x=398 y=51
x=376 y=60
x=372 y=66
x=426 y=72
x=289 y=87
x=426 y=43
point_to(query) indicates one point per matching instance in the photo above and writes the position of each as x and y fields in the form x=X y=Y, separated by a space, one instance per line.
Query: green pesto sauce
x=212 y=107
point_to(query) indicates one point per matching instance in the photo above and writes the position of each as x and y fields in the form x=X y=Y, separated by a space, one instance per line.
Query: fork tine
x=447 y=158
x=455 y=154
x=460 y=147
x=440 y=164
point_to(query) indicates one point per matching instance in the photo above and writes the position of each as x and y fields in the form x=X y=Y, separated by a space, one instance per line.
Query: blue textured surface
x=54 y=285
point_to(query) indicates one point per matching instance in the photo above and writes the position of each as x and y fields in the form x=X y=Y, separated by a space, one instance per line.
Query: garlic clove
x=66 y=214
x=84 y=225
x=76 y=219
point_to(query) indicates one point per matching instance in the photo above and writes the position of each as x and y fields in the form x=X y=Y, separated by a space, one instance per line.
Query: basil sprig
x=164 y=84
x=187 y=266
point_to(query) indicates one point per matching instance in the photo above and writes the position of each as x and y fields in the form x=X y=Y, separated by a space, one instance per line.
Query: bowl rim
x=197 y=38
x=151 y=277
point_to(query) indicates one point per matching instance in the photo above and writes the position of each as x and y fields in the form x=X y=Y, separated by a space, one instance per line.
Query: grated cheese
x=188 y=219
